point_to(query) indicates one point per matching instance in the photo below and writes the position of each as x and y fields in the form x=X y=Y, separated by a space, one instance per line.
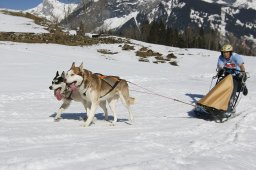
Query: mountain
x=180 y=13
x=53 y=10
x=249 y=4
x=232 y=18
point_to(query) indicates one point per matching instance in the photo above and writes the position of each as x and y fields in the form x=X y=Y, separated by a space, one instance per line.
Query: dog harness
x=113 y=87
x=104 y=78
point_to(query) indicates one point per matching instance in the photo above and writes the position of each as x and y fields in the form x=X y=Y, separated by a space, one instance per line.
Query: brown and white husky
x=94 y=89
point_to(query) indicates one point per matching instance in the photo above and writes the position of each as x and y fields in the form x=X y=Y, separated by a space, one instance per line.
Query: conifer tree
x=81 y=30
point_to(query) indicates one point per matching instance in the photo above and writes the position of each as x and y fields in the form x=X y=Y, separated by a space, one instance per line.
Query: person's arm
x=240 y=62
x=220 y=64
x=242 y=67
x=242 y=74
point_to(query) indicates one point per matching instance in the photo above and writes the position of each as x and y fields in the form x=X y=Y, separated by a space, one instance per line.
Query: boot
x=245 y=91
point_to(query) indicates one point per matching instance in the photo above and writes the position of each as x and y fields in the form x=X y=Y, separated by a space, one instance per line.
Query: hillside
x=206 y=24
x=212 y=23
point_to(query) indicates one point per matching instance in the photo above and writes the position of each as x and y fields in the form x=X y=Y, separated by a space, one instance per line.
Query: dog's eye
x=72 y=74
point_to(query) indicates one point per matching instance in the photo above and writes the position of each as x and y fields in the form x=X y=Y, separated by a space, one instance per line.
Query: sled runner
x=220 y=102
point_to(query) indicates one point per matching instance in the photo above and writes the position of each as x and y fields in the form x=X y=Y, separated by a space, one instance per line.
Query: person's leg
x=232 y=98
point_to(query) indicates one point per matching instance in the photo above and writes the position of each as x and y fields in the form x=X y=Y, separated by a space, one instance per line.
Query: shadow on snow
x=83 y=116
x=195 y=98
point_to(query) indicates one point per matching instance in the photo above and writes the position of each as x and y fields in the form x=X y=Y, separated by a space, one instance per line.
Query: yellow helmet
x=227 y=47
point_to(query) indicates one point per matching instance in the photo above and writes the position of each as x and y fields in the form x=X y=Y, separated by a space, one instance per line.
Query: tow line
x=157 y=94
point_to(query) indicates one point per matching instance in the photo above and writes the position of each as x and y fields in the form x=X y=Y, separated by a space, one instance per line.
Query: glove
x=220 y=72
x=242 y=76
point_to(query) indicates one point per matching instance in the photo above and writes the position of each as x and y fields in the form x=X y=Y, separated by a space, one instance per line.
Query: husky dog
x=61 y=92
x=94 y=89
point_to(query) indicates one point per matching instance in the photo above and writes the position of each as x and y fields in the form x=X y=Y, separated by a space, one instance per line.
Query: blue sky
x=21 y=4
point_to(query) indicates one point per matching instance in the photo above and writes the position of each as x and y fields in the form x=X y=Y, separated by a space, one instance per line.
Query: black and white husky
x=62 y=92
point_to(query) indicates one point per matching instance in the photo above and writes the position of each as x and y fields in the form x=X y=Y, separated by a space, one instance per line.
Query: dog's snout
x=65 y=80
x=50 y=87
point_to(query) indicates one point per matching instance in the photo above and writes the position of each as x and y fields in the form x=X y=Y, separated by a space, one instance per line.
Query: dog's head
x=75 y=76
x=58 y=85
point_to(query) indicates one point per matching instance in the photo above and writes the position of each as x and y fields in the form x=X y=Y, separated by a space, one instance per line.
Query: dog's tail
x=131 y=100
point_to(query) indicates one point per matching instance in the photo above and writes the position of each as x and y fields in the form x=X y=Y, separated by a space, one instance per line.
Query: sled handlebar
x=225 y=69
x=223 y=72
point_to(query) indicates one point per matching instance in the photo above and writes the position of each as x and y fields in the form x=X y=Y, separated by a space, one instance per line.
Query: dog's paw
x=57 y=119
x=85 y=125
x=112 y=124
x=85 y=118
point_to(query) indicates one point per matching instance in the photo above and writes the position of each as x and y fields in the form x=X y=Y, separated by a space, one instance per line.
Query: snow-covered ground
x=162 y=136
x=19 y=24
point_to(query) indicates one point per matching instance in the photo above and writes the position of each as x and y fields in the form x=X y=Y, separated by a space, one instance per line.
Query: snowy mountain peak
x=236 y=3
x=53 y=10
x=50 y=2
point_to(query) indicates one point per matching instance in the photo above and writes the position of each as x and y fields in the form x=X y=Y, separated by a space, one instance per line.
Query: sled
x=220 y=103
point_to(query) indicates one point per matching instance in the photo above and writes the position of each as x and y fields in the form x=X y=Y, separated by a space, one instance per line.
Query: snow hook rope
x=154 y=93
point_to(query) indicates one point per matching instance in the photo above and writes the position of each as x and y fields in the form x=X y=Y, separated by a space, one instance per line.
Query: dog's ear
x=73 y=65
x=81 y=66
x=63 y=74
x=57 y=74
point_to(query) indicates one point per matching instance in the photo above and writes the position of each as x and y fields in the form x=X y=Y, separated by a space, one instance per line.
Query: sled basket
x=217 y=100
x=219 y=96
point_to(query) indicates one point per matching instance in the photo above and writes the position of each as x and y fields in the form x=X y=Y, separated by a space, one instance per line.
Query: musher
x=232 y=63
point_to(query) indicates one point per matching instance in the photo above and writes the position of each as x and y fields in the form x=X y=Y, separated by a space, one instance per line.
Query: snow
x=246 y=4
x=172 y=4
x=195 y=17
x=162 y=136
x=236 y=3
x=53 y=10
x=223 y=22
x=72 y=32
x=218 y=1
x=238 y=22
x=116 y=22
x=19 y=24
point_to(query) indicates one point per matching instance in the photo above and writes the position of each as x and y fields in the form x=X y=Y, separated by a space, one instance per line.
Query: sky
x=22 y=4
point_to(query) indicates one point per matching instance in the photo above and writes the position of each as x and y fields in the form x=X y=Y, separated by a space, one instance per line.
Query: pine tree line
x=190 y=37
x=156 y=32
